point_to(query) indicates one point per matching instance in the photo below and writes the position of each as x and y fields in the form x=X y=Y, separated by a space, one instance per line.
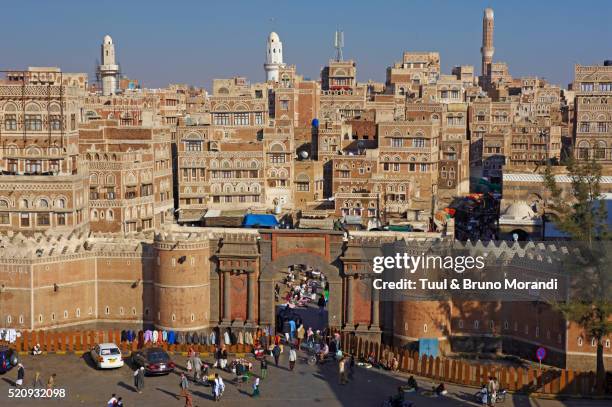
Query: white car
x=107 y=356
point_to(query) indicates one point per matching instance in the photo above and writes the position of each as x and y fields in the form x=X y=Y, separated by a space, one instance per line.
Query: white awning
x=213 y=213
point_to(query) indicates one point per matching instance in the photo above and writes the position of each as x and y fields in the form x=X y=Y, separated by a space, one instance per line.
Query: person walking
x=256 y=388
x=264 y=368
x=341 y=370
x=223 y=357
x=184 y=385
x=112 y=402
x=491 y=391
x=20 y=375
x=221 y=387
x=218 y=357
x=197 y=368
x=37 y=383
x=292 y=329
x=139 y=379
x=292 y=358
x=310 y=336
x=276 y=353
x=51 y=381
x=216 y=388
x=188 y=400
x=300 y=335
x=351 y=367
x=321 y=303
x=120 y=402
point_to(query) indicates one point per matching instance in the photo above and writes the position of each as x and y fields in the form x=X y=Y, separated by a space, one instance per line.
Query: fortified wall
x=192 y=279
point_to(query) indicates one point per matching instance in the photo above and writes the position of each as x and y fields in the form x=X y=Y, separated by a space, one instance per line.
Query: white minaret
x=109 y=68
x=274 y=57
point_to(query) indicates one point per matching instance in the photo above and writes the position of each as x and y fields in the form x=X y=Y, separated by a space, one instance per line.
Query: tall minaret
x=109 y=68
x=487 y=49
x=274 y=57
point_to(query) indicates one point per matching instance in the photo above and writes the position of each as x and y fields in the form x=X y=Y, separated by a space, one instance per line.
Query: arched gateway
x=280 y=249
x=248 y=268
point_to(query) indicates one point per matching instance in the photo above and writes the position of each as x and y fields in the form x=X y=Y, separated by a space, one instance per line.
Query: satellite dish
x=304 y=154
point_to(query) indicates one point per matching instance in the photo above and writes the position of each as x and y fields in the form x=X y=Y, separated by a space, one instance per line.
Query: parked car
x=8 y=359
x=154 y=360
x=107 y=356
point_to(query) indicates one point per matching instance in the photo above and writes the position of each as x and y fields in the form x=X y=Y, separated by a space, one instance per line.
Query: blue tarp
x=428 y=347
x=259 y=221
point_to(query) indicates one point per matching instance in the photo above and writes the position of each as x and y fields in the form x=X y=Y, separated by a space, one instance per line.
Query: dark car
x=8 y=359
x=154 y=360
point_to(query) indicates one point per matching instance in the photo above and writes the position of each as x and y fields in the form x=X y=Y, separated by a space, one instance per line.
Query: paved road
x=306 y=386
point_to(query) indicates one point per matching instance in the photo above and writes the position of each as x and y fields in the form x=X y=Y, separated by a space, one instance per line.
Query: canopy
x=259 y=221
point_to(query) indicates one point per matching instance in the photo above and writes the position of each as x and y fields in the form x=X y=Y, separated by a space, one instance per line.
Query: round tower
x=413 y=320
x=274 y=57
x=182 y=281
x=109 y=70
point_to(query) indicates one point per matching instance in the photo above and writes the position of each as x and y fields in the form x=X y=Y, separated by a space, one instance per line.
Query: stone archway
x=271 y=272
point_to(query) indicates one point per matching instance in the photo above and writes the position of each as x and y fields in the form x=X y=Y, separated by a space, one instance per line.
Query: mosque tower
x=109 y=70
x=487 y=48
x=274 y=57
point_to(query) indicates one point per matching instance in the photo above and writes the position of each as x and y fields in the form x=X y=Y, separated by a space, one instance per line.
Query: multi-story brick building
x=413 y=71
x=44 y=182
x=593 y=112
x=130 y=176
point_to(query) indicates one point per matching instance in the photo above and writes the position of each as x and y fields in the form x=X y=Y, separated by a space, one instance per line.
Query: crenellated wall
x=197 y=278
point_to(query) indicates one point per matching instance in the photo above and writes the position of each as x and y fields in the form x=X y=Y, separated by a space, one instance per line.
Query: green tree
x=580 y=212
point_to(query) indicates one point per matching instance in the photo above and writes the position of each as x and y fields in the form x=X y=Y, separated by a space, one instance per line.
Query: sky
x=162 y=42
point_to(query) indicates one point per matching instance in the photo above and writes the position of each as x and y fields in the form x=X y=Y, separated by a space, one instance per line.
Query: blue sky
x=161 y=42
